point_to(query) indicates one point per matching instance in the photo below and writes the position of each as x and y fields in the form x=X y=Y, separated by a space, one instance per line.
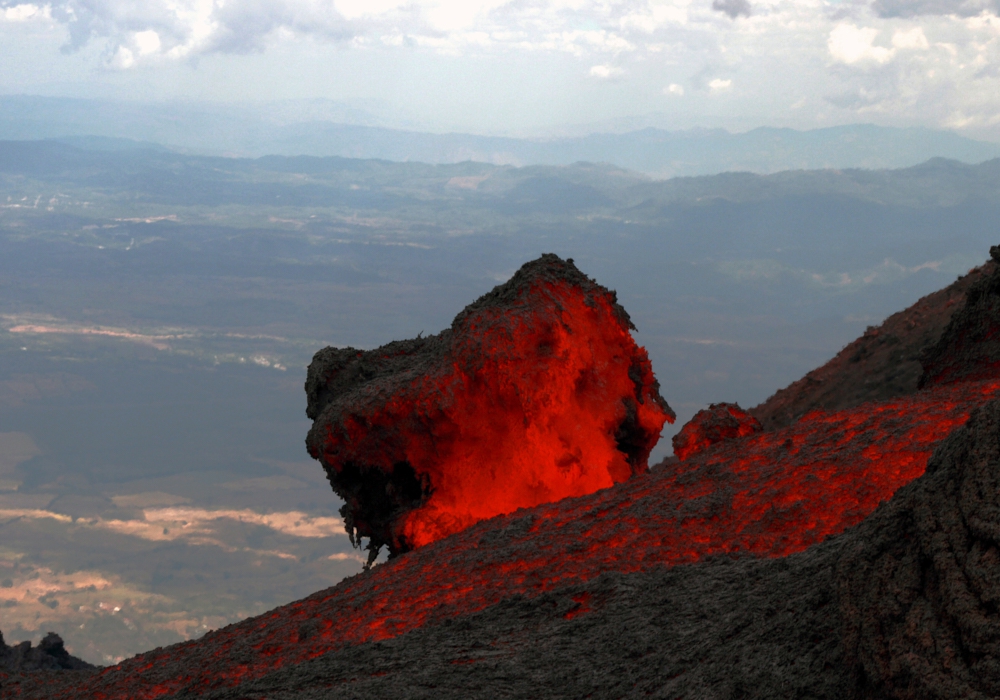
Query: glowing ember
x=720 y=421
x=536 y=393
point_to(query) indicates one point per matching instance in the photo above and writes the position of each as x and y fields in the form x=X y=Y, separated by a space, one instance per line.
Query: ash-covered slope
x=969 y=348
x=537 y=392
x=882 y=364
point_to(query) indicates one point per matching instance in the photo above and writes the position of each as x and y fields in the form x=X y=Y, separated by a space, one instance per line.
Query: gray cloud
x=915 y=8
x=733 y=8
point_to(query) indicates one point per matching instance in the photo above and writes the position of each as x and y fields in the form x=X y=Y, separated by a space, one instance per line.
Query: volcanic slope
x=771 y=493
x=882 y=364
x=901 y=606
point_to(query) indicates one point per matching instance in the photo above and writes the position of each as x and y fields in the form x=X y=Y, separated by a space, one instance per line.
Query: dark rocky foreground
x=49 y=655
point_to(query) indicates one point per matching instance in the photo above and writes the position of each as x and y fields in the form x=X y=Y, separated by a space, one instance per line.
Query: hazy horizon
x=499 y=67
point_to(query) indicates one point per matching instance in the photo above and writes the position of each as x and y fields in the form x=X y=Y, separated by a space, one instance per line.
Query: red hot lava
x=536 y=393
x=718 y=422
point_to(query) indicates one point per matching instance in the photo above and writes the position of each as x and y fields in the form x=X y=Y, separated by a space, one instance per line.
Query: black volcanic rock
x=49 y=655
x=536 y=392
x=919 y=581
x=969 y=348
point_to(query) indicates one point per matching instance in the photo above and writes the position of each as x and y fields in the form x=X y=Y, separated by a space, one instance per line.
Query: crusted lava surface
x=830 y=558
x=537 y=392
x=901 y=606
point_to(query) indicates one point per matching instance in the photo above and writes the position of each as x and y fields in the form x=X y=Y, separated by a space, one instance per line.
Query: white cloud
x=935 y=62
x=122 y=58
x=910 y=39
x=650 y=19
x=26 y=12
x=850 y=44
x=605 y=72
x=147 y=42
x=353 y=9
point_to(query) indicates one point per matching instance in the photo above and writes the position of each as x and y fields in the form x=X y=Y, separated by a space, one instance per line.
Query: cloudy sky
x=499 y=66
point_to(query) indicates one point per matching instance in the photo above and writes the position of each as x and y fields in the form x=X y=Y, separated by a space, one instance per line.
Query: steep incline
x=882 y=364
x=903 y=606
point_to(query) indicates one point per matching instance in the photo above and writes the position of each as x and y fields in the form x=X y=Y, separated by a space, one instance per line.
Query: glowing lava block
x=718 y=422
x=537 y=392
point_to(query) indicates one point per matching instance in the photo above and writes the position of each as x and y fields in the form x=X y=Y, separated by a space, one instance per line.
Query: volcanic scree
x=536 y=393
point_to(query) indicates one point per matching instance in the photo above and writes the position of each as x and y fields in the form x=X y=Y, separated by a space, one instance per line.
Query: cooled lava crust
x=536 y=393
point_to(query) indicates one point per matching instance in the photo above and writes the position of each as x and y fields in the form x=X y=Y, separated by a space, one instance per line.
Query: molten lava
x=536 y=393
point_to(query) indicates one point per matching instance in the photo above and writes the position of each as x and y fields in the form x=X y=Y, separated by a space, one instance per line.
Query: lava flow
x=769 y=494
x=536 y=393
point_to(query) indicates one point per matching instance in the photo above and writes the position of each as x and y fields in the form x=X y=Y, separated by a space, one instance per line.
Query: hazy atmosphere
x=529 y=68
x=198 y=195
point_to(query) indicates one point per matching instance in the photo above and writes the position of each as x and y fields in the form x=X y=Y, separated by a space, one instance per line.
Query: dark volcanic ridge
x=884 y=363
x=49 y=655
x=831 y=557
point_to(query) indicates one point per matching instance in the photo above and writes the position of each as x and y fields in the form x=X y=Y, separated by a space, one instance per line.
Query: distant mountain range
x=332 y=129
